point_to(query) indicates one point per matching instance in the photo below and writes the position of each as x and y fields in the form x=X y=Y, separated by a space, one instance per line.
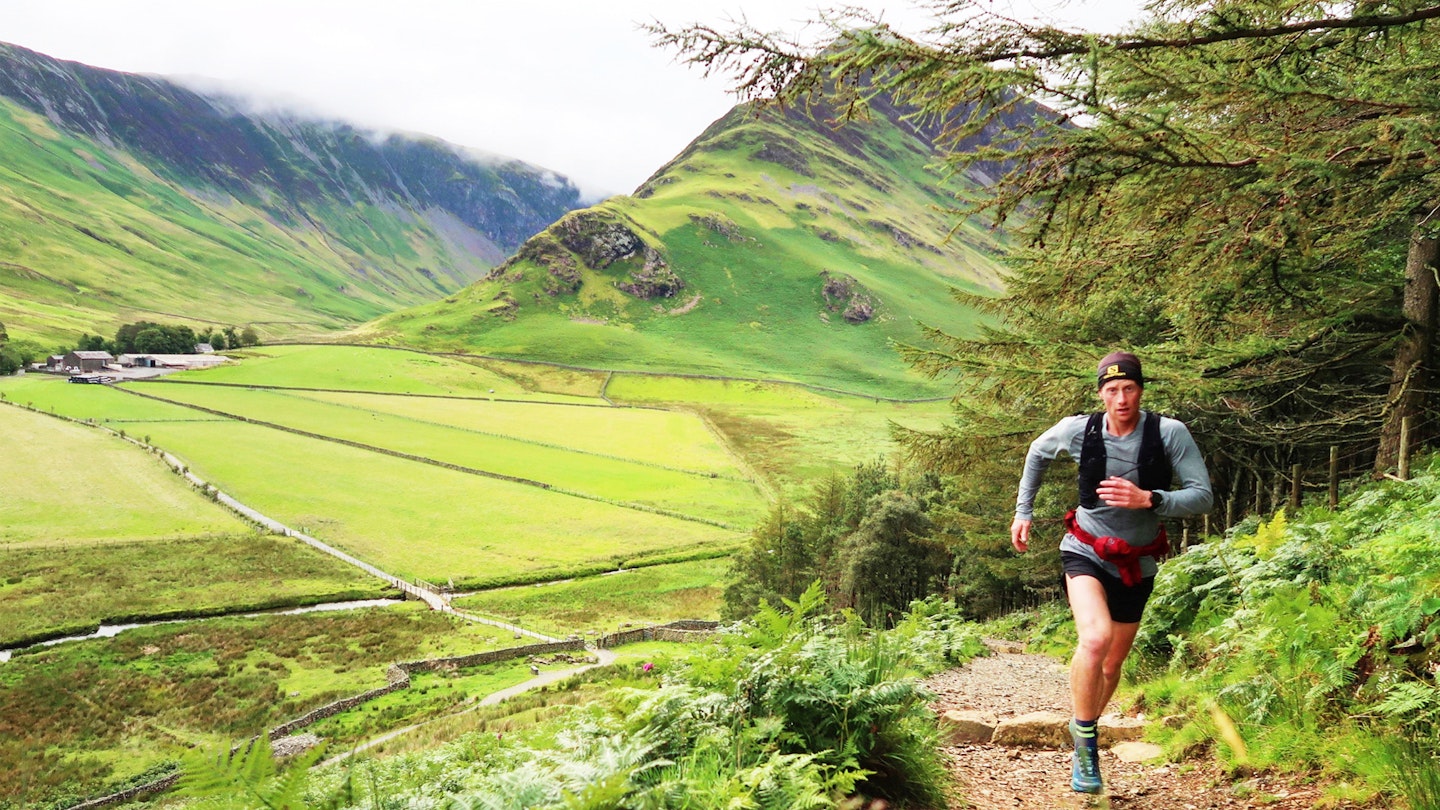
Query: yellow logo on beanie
x=1113 y=371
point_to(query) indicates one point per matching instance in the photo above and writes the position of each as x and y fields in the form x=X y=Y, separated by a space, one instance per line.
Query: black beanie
x=1120 y=366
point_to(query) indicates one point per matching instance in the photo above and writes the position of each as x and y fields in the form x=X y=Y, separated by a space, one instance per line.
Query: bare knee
x=1095 y=642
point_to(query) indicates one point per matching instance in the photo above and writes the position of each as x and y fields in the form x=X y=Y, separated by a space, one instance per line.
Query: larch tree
x=1246 y=193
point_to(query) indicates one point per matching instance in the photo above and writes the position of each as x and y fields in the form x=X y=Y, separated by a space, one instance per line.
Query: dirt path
x=993 y=777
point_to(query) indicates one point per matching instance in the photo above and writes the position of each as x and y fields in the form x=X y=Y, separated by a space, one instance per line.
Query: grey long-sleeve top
x=1135 y=526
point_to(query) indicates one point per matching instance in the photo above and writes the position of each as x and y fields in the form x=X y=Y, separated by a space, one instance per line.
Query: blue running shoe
x=1085 y=762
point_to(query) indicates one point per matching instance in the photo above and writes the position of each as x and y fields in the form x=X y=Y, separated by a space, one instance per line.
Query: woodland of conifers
x=1245 y=194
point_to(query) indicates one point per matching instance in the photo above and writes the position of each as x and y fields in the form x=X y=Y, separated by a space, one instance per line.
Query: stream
x=112 y=630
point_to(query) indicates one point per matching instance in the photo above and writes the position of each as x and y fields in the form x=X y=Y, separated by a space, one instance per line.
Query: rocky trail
x=1024 y=765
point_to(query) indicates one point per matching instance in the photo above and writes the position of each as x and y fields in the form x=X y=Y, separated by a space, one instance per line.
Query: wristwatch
x=1155 y=500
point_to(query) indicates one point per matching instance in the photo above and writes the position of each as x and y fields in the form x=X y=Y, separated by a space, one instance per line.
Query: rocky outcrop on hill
x=845 y=295
x=599 y=239
x=543 y=251
x=654 y=280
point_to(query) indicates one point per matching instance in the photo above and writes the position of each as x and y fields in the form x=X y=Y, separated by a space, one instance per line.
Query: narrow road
x=604 y=658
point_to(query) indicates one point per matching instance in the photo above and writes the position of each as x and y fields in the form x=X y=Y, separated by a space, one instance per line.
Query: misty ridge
x=273 y=149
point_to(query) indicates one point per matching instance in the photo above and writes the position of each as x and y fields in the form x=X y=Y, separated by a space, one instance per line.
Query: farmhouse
x=88 y=361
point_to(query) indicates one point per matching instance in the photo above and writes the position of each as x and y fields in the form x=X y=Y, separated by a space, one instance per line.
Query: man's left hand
x=1123 y=494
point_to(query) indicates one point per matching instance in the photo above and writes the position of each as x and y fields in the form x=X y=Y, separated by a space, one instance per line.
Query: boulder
x=1034 y=730
x=293 y=745
x=1115 y=729
x=961 y=726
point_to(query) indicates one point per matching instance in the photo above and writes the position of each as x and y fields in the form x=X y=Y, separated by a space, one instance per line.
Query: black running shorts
x=1126 y=602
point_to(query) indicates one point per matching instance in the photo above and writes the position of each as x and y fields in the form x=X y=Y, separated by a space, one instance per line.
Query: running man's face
x=1122 y=404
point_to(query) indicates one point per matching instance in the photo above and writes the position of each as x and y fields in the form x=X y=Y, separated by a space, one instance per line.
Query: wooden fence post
x=1405 y=449
x=1334 y=476
x=1295 y=474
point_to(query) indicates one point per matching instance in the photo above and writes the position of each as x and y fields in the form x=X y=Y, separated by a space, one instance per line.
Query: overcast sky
x=571 y=85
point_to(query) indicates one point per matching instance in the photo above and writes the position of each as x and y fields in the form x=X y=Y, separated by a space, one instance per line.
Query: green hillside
x=773 y=246
x=127 y=198
x=89 y=238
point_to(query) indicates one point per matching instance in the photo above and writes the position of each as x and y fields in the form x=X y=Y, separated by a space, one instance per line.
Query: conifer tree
x=1244 y=192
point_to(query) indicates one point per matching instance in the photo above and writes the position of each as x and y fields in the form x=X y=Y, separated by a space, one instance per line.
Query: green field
x=788 y=435
x=387 y=371
x=612 y=484
x=66 y=484
x=604 y=604
x=703 y=494
x=51 y=592
x=413 y=519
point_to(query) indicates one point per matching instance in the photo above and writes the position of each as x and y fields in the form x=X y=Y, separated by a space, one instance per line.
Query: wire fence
x=1314 y=475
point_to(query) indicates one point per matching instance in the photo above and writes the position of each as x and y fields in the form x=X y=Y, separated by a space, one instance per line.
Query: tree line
x=13 y=355
x=148 y=337
x=879 y=537
x=141 y=337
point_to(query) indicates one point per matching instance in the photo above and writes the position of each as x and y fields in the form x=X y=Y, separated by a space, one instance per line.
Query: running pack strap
x=1154 y=470
x=1115 y=550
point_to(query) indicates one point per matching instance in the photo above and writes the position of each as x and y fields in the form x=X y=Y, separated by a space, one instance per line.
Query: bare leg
x=1122 y=638
x=1101 y=650
x=1096 y=631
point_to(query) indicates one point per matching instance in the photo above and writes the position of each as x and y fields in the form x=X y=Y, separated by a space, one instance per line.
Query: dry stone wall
x=685 y=630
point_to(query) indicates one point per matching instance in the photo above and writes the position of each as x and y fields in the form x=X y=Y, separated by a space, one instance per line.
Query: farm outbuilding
x=138 y=361
x=88 y=361
x=171 y=361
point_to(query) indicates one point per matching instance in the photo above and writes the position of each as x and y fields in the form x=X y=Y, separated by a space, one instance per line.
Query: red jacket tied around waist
x=1115 y=550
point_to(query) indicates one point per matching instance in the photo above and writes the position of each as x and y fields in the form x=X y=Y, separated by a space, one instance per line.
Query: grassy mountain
x=776 y=244
x=125 y=197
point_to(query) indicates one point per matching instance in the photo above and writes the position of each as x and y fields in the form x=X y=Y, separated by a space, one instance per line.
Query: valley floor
x=995 y=777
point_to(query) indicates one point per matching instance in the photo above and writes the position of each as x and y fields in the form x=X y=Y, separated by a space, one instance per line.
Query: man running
x=1128 y=460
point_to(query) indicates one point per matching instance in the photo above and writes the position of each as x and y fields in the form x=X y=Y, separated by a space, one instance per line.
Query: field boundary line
x=176 y=464
x=605 y=388
x=535 y=442
x=593 y=370
x=442 y=464
x=167 y=380
x=756 y=480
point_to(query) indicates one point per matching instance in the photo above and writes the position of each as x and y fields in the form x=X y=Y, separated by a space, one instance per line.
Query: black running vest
x=1155 y=471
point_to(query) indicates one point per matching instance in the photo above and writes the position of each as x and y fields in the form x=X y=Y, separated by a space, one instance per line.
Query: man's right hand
x=1020 y=535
